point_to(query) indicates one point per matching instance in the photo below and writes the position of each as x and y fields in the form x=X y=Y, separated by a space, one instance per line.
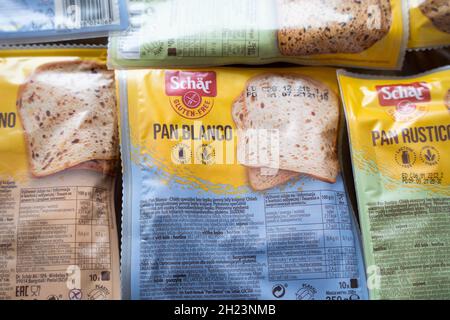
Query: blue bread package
x=29 y=21
x=200 y=224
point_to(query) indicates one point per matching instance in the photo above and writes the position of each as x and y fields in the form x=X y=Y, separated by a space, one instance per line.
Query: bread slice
x=304 y=113
x=331 y=26
x=239 y=111
x=106 y=167
x=260 y=182
x=260 y=178
x=438 y=11
x=68 y=112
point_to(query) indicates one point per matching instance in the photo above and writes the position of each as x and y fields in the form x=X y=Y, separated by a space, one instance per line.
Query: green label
x=204 y=32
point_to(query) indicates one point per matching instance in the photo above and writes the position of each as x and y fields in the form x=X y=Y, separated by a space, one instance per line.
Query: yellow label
x=183 y=121
x=423 y=32
x=16 y=67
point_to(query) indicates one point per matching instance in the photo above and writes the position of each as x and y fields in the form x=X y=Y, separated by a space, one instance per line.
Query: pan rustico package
x=400 y=139
x=429 y=24
x=218 y=32
x=31 y=21
x=232 y=186
x=58 y=155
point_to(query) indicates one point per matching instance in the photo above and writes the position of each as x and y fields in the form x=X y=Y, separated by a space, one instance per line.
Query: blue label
x=34 y=19
x=281 y=244
x=26 y=15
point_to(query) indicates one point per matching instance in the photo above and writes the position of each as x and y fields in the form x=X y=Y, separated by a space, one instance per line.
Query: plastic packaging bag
x=28 y=21
x=198 y=223
x=429 y=23
x=189 y=33
x=58 y=159
x=399 y=130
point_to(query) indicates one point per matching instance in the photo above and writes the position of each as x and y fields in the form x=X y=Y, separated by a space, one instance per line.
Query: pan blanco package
x=203 y=218
x=26 y=21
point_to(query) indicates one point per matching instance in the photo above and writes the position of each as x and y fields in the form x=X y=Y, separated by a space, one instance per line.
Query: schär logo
x=191 y=93
x=393 y=95
x=405 y=102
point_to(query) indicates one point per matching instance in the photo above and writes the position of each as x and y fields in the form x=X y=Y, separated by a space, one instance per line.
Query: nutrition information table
x=60 y=227
x=309 y=236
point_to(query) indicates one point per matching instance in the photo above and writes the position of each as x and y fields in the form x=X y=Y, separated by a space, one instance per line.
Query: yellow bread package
x=399 y=130
x=58 y=154
x=429 y=24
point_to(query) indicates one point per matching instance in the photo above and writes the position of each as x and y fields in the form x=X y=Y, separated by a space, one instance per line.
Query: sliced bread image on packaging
x=197 y=224
x=103 y=166
x=429 y=24
x=337 y=26
x=68 y=110
x=269 y=178
x=179 y=33
x=305 y=115
x=259 y=179
x=58 y=167
x=399 y=130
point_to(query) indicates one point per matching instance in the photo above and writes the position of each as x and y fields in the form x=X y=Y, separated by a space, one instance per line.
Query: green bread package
x=399 y=130
x=194 y=33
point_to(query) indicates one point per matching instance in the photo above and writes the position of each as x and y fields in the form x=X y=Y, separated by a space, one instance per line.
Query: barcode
x=76 y=14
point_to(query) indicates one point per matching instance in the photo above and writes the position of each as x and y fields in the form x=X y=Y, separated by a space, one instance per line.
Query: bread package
x=399 y=131
x=199 y=212
x=178 y=33
x=59 y=155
